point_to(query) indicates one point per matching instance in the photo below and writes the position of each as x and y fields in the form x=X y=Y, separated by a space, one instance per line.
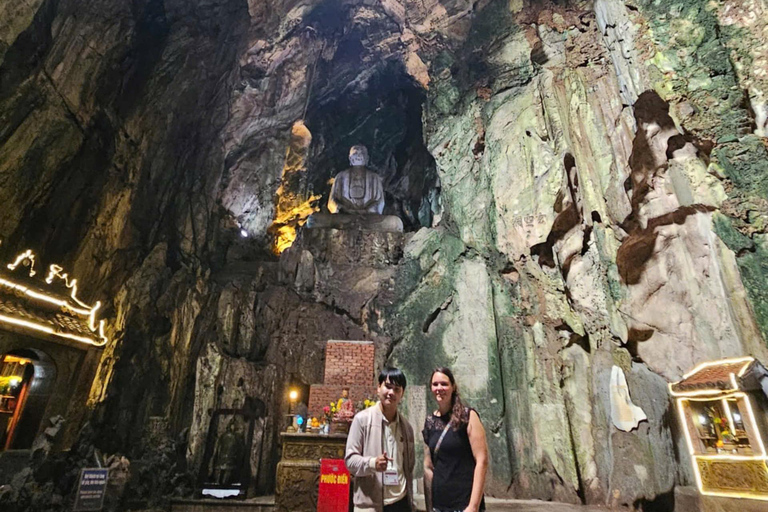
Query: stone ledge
x=377 y=223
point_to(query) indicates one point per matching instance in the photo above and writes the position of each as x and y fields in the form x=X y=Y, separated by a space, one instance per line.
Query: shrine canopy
x=722 y=377
x=46 y=305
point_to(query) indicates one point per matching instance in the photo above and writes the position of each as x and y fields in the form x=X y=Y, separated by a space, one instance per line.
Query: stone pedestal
x=344 y=268
x=370 y=222
x=353 y=247
x=298 y=472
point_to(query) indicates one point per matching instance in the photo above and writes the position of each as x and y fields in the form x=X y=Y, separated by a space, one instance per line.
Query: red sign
x=333 y=494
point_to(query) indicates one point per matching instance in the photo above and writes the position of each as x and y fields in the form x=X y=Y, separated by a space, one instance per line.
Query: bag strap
x=442 y=436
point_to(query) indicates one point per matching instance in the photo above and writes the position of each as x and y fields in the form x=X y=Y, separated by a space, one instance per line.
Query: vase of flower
x=339 y=426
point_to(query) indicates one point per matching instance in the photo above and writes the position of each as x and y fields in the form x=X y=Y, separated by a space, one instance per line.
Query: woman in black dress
x=456 y=456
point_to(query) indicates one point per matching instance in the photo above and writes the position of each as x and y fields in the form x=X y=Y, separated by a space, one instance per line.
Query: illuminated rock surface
x=581 y=185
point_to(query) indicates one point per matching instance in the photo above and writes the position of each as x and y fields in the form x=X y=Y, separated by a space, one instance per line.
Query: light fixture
x=74 y=307
x=243 y=233
x=293 y=206
x=26 y=255
x=16 y=359
x=736 y=416
x=293 y=395
x=727 y=409
x=14 y=381
x=702 y=419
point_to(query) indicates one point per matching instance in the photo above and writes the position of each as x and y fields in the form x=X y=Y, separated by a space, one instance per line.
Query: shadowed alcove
x=377 y=104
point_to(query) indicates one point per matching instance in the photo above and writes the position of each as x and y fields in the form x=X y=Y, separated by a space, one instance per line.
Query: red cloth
x=333 y=492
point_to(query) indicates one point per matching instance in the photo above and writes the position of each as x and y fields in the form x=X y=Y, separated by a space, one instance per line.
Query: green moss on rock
x=745 y=163
x=754 y=275
x=694 y=62
x=752 y=258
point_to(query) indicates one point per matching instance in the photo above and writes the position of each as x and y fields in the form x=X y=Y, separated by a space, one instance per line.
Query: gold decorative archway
x=46 y=306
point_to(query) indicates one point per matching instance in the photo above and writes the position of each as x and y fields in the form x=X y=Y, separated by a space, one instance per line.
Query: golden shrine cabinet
x=723 y=412
x=298 y=472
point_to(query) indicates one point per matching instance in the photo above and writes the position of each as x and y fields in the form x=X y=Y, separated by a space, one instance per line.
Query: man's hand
x=381 y=462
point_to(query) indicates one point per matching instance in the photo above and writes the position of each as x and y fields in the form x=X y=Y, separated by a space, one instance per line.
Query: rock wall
x=586 y=189
x=589 y=186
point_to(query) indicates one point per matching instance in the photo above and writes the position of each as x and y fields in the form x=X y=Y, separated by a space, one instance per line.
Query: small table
x=298 y=472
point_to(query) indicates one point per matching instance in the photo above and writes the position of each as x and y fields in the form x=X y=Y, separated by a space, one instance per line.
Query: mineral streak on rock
x=294 y=204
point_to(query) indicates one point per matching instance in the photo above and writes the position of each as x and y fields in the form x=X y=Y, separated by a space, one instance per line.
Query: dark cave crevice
x=636 y=336
x=664 y=502
x=138 y=64
x=57 y=224
x=568 y=216
x=436 y=313
x=29 y=49
x=505 y=418
x=646 y=161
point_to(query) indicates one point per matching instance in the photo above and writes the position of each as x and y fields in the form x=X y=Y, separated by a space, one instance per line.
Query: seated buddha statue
x=357 y=199
x=357 y=189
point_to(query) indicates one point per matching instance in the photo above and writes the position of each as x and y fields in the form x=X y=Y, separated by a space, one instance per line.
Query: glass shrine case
x=723 y=410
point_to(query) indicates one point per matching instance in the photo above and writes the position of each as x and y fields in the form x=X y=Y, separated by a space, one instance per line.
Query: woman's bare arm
x=479 y=446
x=428 y=478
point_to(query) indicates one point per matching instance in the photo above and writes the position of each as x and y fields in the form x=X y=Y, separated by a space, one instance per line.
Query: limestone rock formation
x=583 y=187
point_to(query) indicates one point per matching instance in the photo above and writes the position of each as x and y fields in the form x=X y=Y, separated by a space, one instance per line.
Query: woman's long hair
x=459 y=413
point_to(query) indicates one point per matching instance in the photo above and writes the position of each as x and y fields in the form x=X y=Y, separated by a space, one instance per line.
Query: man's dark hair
x=392 y=375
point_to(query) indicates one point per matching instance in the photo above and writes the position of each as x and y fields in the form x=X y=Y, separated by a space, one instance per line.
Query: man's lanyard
x=390 y=475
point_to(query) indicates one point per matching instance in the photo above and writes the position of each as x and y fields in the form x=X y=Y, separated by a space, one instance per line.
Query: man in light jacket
x=380 y=451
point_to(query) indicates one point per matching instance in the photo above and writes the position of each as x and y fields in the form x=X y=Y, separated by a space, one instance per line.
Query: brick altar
x=348 y=364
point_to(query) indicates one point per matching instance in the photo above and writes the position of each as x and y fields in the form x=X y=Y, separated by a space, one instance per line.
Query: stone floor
x=266 y=504
x=498 y=505
x=687 y=500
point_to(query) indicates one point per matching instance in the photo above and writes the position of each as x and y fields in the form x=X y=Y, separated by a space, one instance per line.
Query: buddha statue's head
x=358 y=155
